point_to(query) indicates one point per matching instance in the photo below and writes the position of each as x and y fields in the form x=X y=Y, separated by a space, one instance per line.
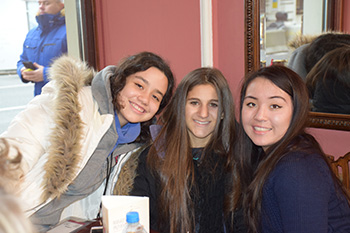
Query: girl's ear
x=222 y=116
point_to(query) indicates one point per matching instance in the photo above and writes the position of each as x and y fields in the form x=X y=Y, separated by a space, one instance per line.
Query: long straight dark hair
x=170 y=156
x=252 y=174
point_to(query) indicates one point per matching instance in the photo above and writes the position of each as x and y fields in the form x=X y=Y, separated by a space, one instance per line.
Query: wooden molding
x=329 y=121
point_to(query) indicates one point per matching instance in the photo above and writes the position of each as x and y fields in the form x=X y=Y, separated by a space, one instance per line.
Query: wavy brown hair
x=175 y=169
x=137 y=63
x=10 y=170
x=323 y=44
x=335 y=65
x=331 y=75
x=252 y=174
x=12 y=218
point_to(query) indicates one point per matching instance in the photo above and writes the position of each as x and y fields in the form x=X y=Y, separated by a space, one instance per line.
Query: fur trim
x=64 y=152
x=125 y=181
x=301 y=39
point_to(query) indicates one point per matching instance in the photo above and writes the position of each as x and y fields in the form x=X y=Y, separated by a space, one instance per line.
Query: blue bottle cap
x=132 y=217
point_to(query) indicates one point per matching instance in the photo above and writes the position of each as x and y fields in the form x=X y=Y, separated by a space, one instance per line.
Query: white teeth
x=261 y=129
x=137 y=107
x=202 y=122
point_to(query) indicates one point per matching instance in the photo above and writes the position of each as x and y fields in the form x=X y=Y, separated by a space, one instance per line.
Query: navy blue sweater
x=301 y=196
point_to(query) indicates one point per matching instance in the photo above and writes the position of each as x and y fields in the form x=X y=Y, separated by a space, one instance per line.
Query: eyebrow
x=271 y=97
x=147 y=83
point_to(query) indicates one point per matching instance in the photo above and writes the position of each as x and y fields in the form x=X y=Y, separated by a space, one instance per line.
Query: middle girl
x=185 y=171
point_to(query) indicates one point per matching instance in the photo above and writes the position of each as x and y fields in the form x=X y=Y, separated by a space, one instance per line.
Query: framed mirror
x=332 y=14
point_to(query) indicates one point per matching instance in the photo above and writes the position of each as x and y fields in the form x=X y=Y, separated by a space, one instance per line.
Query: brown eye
x=250 y=104
x=214 y=105
x=156 y=98
x=139 y=85
x=193 y=102
x=276 y=106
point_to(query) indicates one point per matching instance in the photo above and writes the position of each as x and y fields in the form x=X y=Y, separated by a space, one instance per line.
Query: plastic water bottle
x=133 y=223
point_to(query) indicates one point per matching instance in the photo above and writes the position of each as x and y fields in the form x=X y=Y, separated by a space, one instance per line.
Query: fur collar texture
x=128 y=172
x=301 y=39
x=64 y=153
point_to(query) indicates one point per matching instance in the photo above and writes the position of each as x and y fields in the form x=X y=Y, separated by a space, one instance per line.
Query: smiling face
x=141 y=96
x=201 y=114
x=50 y=6
x=266 y=112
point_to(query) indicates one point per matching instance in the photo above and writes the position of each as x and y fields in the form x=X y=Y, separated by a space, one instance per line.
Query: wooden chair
x=341 y=168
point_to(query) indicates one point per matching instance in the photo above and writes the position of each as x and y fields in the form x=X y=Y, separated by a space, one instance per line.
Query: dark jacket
x=207 y=194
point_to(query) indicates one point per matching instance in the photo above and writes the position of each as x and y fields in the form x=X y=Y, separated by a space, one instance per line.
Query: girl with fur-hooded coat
x=67 y=134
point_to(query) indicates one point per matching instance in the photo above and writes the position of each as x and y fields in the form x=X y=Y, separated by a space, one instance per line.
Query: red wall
x=333 y=142
x=168 y=28
x=228 y=36
x=172 y=29
x=346 y=16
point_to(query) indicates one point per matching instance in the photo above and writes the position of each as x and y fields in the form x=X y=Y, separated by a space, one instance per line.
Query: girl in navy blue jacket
x=284 y=176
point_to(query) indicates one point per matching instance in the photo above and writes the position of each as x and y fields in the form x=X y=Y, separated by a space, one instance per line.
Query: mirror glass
x=285 y=26
x=283 y=21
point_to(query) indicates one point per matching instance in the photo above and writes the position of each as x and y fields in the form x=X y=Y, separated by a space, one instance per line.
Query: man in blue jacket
x=43 y=43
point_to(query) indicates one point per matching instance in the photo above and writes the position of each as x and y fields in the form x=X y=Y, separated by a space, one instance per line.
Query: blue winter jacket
x=43 y=44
